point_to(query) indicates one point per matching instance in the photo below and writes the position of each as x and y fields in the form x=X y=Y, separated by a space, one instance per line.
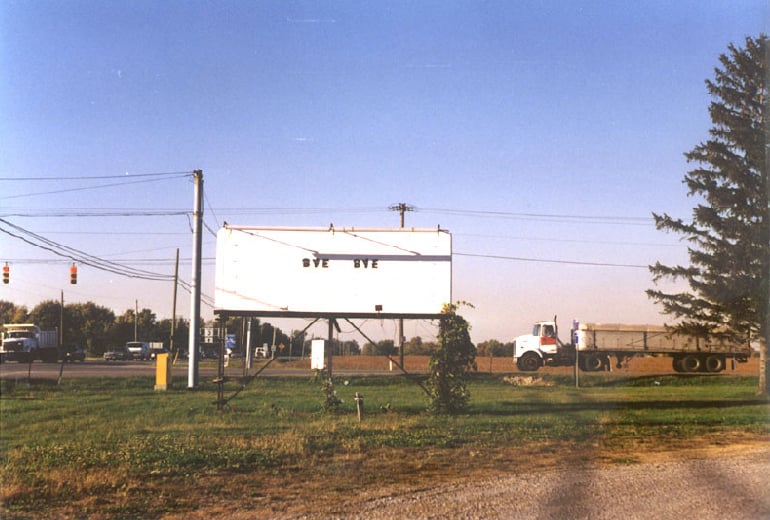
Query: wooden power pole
x=402 y=208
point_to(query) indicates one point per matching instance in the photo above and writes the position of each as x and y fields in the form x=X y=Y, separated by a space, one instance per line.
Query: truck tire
x=691 y=363
x=592 y=362
x=677 y=364
x=529 y=362
x=714 y=363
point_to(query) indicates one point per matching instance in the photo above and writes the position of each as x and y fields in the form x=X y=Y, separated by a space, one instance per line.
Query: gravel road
x=735 y=487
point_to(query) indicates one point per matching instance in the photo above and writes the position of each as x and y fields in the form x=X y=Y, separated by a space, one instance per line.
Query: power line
x=111 y=233
x=208 y=228
x=214 y=213
x=94 y=177
x=83 y=213
x=156 y=261
x=93 y=261
x=546 y=261
x=296 y=211
x=585 y=219
x=568 y=240
x=135 y=212
x=76 y=255
x=156 y=178
x=548 y=217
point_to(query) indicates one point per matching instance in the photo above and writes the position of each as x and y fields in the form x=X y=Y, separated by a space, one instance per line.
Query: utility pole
x=402 y=208
x=136 y=319
x=195 y=289
x=173 y=308
x=61 y=320
x=764 y=342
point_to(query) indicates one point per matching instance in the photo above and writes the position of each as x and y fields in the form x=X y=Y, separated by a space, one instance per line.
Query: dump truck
x=26 y=342
x=592 y=345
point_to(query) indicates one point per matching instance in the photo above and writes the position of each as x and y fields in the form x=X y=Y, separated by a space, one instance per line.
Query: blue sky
x=512 y=124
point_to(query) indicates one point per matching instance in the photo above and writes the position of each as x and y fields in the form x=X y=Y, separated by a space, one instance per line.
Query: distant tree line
x=94 y=327
x=419 y=347
x=97 y=329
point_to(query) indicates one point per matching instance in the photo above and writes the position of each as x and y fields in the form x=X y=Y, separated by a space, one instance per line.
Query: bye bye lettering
x=323 y=263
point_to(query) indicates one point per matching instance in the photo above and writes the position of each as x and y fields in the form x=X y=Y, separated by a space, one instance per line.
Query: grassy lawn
x=116 y=448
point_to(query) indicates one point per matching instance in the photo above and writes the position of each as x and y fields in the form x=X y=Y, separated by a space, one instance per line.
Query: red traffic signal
x=6 y=274
x=74 y=274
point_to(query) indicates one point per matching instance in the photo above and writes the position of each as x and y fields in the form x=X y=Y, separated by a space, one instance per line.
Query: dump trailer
x=592 y=345
x=27 y=342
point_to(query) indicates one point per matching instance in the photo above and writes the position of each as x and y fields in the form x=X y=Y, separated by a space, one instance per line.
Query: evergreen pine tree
x=729 y=235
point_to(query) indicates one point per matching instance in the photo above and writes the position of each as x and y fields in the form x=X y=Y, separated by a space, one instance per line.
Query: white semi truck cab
x=542 y=347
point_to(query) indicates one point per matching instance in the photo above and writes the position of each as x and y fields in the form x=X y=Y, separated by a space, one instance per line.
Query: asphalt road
x=38 y=370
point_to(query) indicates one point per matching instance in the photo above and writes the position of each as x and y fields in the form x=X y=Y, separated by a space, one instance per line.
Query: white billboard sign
x=326 y=270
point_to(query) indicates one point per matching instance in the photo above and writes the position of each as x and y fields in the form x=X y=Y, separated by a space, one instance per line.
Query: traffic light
x=74 y=274
x=6 y=274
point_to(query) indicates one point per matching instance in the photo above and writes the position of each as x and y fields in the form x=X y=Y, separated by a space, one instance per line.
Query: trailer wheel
x=715 y=363
x=592 y=362
x=529 y=362
x=691 y=363
x=677 y=364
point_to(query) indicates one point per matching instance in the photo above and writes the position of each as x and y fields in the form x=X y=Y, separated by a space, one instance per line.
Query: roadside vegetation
x=107 y=448
x=97 y=329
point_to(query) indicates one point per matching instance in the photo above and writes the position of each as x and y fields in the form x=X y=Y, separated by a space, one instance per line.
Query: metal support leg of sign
x=329 y=347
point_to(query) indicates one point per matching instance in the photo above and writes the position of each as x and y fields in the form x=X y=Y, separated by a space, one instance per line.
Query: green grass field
x=117 y=448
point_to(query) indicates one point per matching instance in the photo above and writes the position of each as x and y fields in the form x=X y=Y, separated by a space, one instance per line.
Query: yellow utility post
x=162 y=372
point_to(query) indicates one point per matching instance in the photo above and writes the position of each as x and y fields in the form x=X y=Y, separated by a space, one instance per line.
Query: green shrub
x=450 y=364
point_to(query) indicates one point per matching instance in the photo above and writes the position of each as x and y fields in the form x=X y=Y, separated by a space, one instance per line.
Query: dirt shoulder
x=711 y=484
x=540 y=484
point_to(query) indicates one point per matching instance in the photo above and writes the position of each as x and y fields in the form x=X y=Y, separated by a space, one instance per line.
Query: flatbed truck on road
x=592 y=345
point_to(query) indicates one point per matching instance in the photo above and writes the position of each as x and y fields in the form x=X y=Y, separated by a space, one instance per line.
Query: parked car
x=117 y=354
x=72 y=353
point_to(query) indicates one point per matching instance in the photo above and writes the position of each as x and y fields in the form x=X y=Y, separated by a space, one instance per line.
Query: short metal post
x=360 y=406
x=577 y=367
